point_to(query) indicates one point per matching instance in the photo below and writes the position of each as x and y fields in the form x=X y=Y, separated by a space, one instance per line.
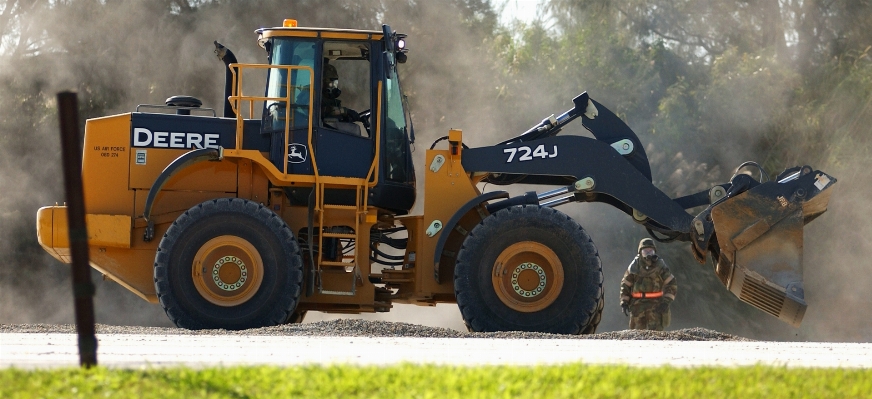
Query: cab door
x=343 y=133
x=342 y=141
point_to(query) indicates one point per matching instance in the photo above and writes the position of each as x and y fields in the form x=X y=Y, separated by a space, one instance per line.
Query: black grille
x=763 y=297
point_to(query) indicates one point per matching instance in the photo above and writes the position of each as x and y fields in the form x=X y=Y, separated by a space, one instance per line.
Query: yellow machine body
x=115 y=189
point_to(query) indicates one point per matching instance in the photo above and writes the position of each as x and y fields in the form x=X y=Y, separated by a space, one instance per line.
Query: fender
x=449 y=227
x=188 y=159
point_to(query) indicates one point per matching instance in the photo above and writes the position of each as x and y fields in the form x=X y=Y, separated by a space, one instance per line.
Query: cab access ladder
x=347 y=264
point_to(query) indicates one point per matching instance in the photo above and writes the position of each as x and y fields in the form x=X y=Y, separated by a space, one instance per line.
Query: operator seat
x=355 y=128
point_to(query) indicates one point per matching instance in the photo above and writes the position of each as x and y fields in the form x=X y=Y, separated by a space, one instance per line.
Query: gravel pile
x=368 y=328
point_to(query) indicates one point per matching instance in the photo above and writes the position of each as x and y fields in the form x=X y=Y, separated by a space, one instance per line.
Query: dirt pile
x=369 y=328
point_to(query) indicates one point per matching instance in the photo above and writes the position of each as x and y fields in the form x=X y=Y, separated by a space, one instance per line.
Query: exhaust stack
x=225 y=55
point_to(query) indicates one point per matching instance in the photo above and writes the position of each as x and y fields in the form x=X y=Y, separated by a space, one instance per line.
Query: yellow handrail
x=373 y=169
x=281 y=175
x=238 y=97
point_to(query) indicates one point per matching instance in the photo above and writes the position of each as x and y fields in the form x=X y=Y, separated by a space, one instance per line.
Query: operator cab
x=350 y=78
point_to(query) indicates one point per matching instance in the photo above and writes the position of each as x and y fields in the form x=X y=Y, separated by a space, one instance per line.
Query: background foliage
x=706 y=85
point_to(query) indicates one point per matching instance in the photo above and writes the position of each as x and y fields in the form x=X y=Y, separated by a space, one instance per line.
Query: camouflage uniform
x=647 y=289
x=331 y=105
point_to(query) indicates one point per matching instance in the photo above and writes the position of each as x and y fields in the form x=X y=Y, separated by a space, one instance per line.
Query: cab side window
x=297 y=53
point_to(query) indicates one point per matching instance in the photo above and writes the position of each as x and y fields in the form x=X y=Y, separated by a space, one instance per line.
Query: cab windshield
x=396 y=131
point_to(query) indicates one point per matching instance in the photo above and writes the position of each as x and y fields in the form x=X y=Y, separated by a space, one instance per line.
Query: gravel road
x=369 y=328
x=364 y=342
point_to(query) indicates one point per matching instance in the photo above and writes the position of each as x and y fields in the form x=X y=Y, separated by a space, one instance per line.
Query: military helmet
x=646 y=243
x=330 y=73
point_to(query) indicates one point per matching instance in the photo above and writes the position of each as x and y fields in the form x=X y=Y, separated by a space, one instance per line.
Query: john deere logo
x=297 y=153
x=145 y=138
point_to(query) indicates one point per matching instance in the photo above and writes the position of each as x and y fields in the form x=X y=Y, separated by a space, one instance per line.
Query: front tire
x=228 y=263
x=529 y=268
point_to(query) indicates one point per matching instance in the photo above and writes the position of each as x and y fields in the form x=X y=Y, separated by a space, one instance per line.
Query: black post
x=83 y=288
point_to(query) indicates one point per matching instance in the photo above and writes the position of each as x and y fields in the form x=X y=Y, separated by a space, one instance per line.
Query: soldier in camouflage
x=331 y=105
x=647 y=289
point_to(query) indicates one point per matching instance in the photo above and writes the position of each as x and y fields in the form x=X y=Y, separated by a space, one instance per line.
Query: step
x=339 y=293
x=341 y=207
x=330 y=263
x=397 y=280
x=338 y=235
x=391 y=273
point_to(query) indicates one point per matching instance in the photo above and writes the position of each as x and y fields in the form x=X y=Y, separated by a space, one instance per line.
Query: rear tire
x=529 y=268
x=228 y=263
x=296 y=317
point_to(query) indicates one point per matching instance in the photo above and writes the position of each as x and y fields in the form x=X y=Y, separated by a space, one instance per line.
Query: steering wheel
x=277 y=105
x=364 y=117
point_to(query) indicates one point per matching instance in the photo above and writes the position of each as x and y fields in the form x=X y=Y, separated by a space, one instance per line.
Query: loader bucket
x=760 y=239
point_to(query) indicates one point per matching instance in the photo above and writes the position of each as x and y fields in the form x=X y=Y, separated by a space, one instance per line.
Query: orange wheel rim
x=227 y=271
x=527 y=276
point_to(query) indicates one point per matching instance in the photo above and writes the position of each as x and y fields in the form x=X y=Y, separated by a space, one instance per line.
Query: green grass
x=411 y=381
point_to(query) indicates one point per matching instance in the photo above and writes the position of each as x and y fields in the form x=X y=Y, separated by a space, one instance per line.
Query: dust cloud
x=157 y=60
x=121 y=54
x=132 y=53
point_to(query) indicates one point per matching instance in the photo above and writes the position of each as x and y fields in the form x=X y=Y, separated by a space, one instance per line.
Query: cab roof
x=327 y=33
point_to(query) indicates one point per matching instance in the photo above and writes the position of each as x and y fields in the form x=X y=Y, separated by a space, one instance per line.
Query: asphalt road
x=48 y=350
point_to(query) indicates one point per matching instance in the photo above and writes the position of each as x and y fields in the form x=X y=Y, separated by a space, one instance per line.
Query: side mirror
x=388 y=38
x=389 y=64
x=389 y=50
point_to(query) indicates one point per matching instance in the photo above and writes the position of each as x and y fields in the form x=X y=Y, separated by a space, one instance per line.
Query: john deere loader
x=298 y=197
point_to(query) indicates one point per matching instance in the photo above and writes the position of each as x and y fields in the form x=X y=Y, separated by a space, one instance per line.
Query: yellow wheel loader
x=297 y=198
